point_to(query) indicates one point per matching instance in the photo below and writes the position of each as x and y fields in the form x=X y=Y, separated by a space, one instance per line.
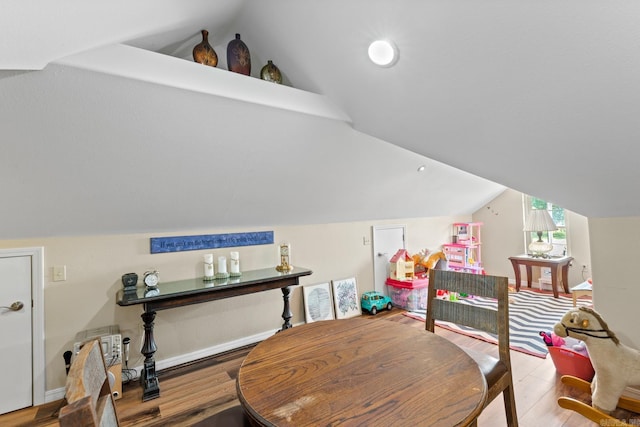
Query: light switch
x=59 y=273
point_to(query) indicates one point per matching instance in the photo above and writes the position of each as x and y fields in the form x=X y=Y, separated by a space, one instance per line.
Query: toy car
x=373 y=301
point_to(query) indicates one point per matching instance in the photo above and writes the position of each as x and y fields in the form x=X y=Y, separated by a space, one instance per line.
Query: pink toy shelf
x=464 y=251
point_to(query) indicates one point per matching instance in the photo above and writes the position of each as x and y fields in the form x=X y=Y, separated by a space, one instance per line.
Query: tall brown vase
x=204 y=53
x=238 y=56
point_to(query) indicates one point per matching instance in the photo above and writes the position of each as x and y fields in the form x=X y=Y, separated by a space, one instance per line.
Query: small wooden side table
x=584 y=288
x=554 y=264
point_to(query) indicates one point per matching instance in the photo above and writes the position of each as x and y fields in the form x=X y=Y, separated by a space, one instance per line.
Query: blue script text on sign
x=209 y=241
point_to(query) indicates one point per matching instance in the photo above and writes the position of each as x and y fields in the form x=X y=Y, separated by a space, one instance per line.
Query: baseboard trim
x=57 y=394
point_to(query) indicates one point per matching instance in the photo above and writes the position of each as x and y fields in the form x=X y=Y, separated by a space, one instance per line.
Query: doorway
x=387 y=240
x=22 y=328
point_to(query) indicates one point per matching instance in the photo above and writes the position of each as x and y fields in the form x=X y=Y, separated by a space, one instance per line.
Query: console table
x=194 y=291
x=554 y=263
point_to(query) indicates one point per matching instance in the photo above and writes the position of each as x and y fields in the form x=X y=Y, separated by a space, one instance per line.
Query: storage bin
x=568 y=362
x=408 y=294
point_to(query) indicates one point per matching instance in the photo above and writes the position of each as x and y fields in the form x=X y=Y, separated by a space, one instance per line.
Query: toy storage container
x=408 y=294
x=569 y=362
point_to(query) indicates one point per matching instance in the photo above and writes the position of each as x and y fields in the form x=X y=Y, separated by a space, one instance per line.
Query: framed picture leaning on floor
x=318 y=303
x=346 y=298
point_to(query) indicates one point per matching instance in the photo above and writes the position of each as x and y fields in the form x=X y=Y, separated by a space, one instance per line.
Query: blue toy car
x=374 y=301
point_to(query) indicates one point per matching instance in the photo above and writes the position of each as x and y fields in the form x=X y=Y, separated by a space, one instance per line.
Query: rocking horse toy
x=616 y=365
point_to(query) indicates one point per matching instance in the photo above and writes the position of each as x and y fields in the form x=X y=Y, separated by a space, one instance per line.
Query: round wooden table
x=357 y=372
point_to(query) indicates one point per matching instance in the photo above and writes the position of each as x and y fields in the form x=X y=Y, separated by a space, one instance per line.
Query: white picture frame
x=346 y=298
x=318 y=302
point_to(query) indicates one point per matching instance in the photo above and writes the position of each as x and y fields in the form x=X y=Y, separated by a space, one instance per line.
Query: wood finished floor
x=192 y=393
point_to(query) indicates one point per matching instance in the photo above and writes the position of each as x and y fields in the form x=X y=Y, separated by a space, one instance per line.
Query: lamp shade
x=540 y=220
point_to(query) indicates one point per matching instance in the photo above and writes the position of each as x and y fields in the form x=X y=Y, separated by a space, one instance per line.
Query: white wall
x=502 y=237
x=614 y=253
x=95 y=265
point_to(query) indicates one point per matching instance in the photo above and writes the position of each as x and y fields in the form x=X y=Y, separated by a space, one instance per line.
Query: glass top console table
x=194 y=291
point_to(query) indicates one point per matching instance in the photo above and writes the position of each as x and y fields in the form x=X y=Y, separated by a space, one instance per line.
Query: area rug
x=529 y=313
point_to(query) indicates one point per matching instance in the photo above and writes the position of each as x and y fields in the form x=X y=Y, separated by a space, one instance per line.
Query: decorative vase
x=203 y=53
x=271 y=73
x=238 y=56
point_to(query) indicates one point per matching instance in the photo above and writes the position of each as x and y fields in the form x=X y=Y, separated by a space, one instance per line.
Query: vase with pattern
x=238 y=57
x=203 y=53
x=271 y=73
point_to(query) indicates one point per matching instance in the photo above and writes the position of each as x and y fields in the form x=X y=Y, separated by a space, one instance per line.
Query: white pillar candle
x=208 y=266
x=222 y=264
x=234 y=263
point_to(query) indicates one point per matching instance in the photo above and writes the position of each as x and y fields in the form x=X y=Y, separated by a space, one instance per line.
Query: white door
x=386 y=242
x=16 y=389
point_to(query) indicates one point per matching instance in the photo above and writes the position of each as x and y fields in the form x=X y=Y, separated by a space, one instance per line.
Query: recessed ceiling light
x=421 y=168
x=383 y=53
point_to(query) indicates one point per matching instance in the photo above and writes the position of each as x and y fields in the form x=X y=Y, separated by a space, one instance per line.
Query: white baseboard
x=57 y=394
x=534 y=285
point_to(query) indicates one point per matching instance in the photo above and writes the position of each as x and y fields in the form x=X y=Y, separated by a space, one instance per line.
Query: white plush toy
x=617 y=365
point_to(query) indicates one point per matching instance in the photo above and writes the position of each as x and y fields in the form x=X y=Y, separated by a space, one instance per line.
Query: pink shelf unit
x=464 y=253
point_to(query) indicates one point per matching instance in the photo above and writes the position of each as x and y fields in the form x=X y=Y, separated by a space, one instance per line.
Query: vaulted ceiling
x=108 y=125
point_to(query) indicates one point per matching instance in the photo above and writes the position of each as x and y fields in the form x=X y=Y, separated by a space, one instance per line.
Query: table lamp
x=540 y=221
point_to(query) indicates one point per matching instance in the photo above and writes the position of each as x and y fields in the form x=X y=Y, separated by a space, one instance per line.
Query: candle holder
x=285 y=256
x=208 y=268
x=234 y=265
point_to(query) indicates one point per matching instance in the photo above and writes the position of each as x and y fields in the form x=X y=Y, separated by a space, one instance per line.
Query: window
x=557 y=238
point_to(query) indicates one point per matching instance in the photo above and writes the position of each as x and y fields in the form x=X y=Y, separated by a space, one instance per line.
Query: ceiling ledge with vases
x=144 y=65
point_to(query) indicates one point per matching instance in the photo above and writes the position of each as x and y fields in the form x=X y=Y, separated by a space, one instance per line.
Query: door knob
x=382 y=253
x=16 y=306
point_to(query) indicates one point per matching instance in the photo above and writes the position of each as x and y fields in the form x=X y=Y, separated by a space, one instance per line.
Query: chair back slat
x=466 y=315
x=86 y=375
x=88 y=395
x=471 y=284
x=483 y=318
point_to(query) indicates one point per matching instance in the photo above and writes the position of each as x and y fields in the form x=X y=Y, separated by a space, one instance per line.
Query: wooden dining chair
x=496 y=370
x=88 y=395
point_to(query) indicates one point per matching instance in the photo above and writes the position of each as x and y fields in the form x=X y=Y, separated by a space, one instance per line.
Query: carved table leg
x=529 y=274
x=148 y=377
x=554 y=280
x=565 y=277
x=286 y=313
x=516 y=271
